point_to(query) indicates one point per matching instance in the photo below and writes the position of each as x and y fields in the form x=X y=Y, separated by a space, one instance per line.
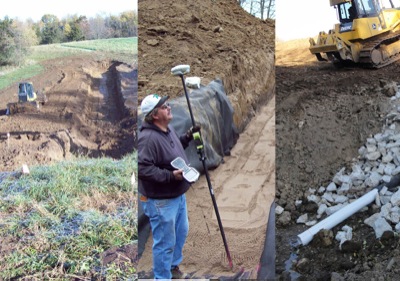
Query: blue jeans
x=170 y=226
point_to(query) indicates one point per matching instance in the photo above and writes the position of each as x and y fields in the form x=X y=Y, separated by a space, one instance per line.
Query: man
x=161 y=187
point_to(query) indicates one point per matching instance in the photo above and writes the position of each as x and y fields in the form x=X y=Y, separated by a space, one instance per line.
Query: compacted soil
x=324 y=115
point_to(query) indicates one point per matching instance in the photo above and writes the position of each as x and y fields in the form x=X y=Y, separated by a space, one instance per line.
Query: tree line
x=17 y=36
x=263 y=9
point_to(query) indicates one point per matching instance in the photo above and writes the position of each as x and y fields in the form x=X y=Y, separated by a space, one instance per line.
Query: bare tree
x=259 y=8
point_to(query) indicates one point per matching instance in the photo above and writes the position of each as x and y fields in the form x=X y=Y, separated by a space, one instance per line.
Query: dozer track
x=372 y=55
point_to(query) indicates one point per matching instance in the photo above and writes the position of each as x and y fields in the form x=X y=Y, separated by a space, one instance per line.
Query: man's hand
x=178 y=174
x=194 y=129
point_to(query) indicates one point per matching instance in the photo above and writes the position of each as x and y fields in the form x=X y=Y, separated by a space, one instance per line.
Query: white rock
x=380 y=169
x=343 y=189
x=385 y=211
x=313 y=198
x=362 y=151
x=395 y=199
x=396 y=171
x=298 y=203
x=311 y=223
x=344 y=235
x=341 y=199
x=387 y=158
x=302 y=219
x=397 y=228
x=336 y=178
x=279 y=210
x=371 y=220
x=389 y=168
x=378 y=200
x=328 y=197
x=311 y=190
x=373 y=179
x=386 y=178
x=372 y=156
x=331 y=187
x=321 y=190
x=383 y=190
x=385 y=199
x=321 y=209
x=371 y=148
x=380 y=226
x=395 y=217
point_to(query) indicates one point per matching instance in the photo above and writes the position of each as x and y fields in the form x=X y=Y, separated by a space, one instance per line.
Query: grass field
x=119 y=49
x=57 y=221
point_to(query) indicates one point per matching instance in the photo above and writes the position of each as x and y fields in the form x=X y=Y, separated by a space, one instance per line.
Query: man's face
x=164 y=113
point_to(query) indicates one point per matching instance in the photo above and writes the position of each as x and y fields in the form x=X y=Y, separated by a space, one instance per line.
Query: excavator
x=27 y=98
x=368 y=34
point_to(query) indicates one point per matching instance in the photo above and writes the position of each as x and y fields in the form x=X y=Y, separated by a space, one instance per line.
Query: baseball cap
x=152 y=101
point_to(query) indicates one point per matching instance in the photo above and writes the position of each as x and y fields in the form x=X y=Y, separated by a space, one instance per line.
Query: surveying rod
x=181 y=70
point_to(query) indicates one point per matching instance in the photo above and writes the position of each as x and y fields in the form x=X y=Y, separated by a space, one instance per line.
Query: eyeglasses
x=165 y=106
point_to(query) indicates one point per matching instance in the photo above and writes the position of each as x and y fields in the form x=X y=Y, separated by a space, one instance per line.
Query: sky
x=35 y=9
x=303 y=19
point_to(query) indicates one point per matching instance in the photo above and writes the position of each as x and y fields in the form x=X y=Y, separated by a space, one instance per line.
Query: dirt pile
x=218 y=39
x=85 y=114
x=324 y=115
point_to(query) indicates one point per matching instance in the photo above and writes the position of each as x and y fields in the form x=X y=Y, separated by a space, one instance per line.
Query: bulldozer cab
x=350 y=10
x=26 y=92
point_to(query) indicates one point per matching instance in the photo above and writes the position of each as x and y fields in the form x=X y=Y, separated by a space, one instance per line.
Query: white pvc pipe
x=338 y=216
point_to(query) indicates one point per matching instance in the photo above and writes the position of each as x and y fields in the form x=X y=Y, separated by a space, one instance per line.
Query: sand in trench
x=244 y=187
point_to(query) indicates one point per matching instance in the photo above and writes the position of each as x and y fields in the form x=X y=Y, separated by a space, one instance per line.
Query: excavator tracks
x=372 y=54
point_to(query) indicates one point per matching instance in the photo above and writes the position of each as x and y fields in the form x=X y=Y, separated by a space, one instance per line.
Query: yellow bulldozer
x=368 y=34
x=27 y=99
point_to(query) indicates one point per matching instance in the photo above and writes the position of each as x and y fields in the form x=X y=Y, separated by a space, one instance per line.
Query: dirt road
x=244 y=187
x=85 y=114
x=324 y=115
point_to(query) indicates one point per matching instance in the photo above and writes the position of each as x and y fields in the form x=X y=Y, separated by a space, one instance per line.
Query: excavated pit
x=90 y=111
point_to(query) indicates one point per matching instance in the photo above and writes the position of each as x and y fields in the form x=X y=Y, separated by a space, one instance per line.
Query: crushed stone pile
x=377 y=164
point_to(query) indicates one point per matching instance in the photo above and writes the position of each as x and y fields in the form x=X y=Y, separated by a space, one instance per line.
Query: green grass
x=119 y=49
x=124 y=45
x=19 y=74
x=59 y=219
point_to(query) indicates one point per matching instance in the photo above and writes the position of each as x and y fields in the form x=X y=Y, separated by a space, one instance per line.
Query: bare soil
x=85 y=114
x=323 y=116
x=218 y=39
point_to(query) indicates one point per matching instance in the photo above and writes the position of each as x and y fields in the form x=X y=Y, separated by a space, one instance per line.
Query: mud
x=86 y=114
x=323 y=115
x=218 y=40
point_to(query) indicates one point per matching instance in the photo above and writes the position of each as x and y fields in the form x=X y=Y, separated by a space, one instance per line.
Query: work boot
x=176 y=273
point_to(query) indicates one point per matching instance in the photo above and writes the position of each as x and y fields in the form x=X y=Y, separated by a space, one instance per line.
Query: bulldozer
x=27 y=98
x=368 y=34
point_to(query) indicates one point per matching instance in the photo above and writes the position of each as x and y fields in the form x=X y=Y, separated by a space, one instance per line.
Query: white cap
x=150 y=102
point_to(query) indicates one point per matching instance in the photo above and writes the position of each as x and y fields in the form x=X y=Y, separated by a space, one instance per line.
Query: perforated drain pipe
x=347 y=211
x=337 y=217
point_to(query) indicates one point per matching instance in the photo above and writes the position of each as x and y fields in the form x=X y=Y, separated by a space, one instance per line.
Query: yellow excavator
x=27 y=98
x=368 y=34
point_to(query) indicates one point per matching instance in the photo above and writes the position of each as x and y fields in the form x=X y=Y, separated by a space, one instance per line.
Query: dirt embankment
x=324 y=115
x=91 y=110
x=218 y=39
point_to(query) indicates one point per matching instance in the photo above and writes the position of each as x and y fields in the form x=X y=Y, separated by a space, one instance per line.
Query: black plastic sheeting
x=267 y=262
x=214 y=113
